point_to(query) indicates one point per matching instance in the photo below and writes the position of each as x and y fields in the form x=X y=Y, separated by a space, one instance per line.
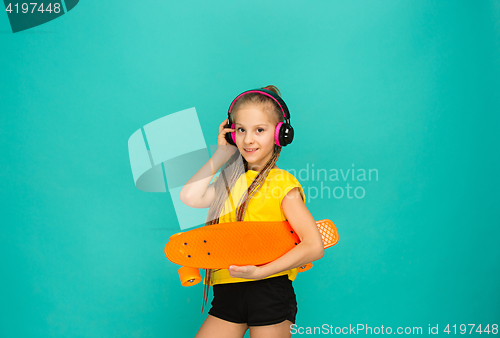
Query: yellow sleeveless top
x=265 y=205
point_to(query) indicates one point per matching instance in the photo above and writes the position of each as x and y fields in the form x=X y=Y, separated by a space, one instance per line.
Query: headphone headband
x=276 y=98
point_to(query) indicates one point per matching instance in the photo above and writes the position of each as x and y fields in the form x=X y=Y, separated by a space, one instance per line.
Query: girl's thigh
x=280 y=330
x=214 y=327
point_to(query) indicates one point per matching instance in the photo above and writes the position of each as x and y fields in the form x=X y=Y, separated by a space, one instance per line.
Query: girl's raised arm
x=195 y=193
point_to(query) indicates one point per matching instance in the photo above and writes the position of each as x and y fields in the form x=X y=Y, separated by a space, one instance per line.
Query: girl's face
x=255 y=135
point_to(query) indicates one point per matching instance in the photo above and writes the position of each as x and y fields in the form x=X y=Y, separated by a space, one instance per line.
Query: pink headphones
x=283 y=134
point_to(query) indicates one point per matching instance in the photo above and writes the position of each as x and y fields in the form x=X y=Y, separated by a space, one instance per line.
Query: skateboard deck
x=239 y=243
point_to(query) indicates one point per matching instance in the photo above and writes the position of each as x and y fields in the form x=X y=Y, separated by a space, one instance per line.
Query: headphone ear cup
x=233 y=135
x=285 y=134
x=230 y=136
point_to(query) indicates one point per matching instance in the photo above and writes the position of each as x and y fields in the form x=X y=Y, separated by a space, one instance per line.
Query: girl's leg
x=214 y=327
x=280 y=330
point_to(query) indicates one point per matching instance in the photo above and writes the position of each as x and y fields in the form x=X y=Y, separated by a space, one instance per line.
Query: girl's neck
x=260 y=169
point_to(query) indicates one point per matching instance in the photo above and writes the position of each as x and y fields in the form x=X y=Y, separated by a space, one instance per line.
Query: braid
x=257 y=183
x=223 y=186
x=230 y=173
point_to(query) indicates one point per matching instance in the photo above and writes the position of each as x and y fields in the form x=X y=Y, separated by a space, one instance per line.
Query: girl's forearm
x=196 y=187
x=303 y=253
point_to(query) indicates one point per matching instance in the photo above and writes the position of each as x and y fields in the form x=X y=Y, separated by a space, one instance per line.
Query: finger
x=221 y=126
x=226 y=130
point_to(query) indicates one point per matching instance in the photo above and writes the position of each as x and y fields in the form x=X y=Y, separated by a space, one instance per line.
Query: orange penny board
x=218 y=246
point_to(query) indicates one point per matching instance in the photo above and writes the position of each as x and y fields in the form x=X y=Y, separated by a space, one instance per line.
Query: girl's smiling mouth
x=250 y=150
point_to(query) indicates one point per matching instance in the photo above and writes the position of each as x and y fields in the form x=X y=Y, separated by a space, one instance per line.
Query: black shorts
x=256 y=303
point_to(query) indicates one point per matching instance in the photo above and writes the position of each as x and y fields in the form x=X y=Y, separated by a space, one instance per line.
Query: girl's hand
x=247 y=271
x=222 y=145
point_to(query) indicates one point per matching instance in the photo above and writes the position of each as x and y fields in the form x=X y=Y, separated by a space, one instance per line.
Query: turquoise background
x=410 y=88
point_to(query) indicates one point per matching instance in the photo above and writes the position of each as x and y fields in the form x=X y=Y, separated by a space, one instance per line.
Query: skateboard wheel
x=305 y=267
x=189 y=276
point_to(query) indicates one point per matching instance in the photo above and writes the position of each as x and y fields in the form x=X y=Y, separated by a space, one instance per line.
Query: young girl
x=252 y=188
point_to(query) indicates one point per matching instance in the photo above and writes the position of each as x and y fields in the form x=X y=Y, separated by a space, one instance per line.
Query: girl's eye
x=260 y=130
